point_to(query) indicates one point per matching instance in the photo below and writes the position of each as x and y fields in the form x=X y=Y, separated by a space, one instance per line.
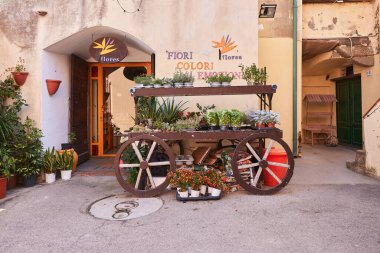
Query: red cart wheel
x=142 y=163
x=261 y=173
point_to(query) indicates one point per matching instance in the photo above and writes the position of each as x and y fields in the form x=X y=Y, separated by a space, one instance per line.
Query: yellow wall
x=277 y=54
x=372 y=136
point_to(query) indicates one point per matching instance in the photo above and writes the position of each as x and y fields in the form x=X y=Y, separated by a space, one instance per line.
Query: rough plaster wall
x=282 y=23
x=372 y=145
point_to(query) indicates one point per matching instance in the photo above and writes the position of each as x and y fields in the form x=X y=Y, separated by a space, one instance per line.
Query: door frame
x=100 y=66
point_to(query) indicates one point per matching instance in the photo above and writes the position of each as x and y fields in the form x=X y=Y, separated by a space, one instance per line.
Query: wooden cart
x=257 y=142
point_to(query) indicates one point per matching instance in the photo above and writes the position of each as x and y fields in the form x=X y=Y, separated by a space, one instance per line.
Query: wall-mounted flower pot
x=20 y=77
x=52 y=86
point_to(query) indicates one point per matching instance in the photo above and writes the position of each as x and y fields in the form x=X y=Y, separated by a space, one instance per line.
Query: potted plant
x=52 y=86
x=20 y=74
x=138 y=80
x=213 y=81
x=29 y=151
x=157 y=82
x=225 y=80
x=196 y=181
x=212 y=118
x=180 y=179
x=272 y=118
x=7 y=164
x=215 y=182
x=65 y=162
x=254 y=75
x=147 y=81
x=178 y=79
x=236 y=119
x=49 y=164
x=167 y=82
x=224 y=119
x=259 y=117
x=72 y=137
x=188 y=79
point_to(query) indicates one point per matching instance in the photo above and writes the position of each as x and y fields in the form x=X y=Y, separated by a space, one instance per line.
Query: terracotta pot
x=20 y=77
x=52 y=86
x=3 y=187
x=12 y=181
x=260 y=125
x=271 y=124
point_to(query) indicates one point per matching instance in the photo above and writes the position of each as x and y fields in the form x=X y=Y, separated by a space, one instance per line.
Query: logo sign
x=108 y=50
x=226 y=45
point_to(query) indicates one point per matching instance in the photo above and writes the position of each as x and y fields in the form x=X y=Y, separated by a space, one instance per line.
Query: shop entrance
x=111 y=106
x=349 y=111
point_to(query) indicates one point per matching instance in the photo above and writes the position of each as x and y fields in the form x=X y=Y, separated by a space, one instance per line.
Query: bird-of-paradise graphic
x=225 y=45
x=106 y=47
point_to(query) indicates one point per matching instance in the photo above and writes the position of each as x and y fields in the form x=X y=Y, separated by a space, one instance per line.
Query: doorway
x=349 y=111
x=111 y=105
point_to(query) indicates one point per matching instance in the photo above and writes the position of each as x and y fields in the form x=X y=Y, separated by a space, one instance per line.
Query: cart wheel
x=141 y=165
x=250 y=173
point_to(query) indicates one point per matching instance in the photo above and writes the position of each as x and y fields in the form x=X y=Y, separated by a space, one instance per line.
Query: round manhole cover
x=123 y=208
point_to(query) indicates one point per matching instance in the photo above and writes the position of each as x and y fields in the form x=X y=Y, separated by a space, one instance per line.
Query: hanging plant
x=20 y=74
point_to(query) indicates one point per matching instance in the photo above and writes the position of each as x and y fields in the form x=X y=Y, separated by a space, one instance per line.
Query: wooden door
x=349 y=111
x=79 y=107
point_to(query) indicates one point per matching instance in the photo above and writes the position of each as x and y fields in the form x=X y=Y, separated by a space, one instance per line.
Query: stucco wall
x=163 y=25
x=372 y=136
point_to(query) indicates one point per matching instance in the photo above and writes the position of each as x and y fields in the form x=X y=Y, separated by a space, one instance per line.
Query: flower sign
x=108 y=50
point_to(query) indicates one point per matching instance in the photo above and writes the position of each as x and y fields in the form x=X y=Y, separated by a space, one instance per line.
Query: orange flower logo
x=106 y=47
x=225 y=45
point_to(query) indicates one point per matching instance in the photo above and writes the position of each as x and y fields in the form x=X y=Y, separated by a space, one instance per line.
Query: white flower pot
x=65 y=174
x=188 y=84
x=184 y=194
x=210 y=189
x=203 y=189
x=167 y=85
x=194 y=194
x=215 y=84
x=178 y=85
x=226 y=84
x=50 y=178
x=216 y=192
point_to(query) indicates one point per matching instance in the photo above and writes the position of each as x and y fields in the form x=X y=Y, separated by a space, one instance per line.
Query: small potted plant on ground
x=20 y=74
x=69 y=147
x=181 y=179
x=196 y=181
x=65 y=163
x=225 y=80
x=212 y=118
x=213 y=81
x=7 y=164
x=236 y=119
x=50 y=163
x=224 y=119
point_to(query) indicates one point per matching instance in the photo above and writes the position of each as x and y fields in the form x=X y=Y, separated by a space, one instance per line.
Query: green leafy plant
x=169 y=111
x=148 y=108
x=225 y=78
x=65 y=159
x=236 y=118
x=29 y=149
x=212 y=118
x=50 y=160
x=253 y=74
x=225 y=118
x=72 y=137
x=129 y=156
x=191 y=123
x=157 y=81
x=7 y=163
x=212 y=79
x=20 y=65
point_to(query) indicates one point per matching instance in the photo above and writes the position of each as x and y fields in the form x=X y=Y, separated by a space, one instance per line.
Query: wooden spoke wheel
x=141 y=165
x=262 y=163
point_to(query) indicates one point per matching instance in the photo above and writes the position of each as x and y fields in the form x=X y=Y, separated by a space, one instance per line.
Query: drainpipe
x=294 y=77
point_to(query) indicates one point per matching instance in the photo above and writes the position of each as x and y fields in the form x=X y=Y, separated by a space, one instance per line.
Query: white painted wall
x=372 y=140
x=55 y=109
